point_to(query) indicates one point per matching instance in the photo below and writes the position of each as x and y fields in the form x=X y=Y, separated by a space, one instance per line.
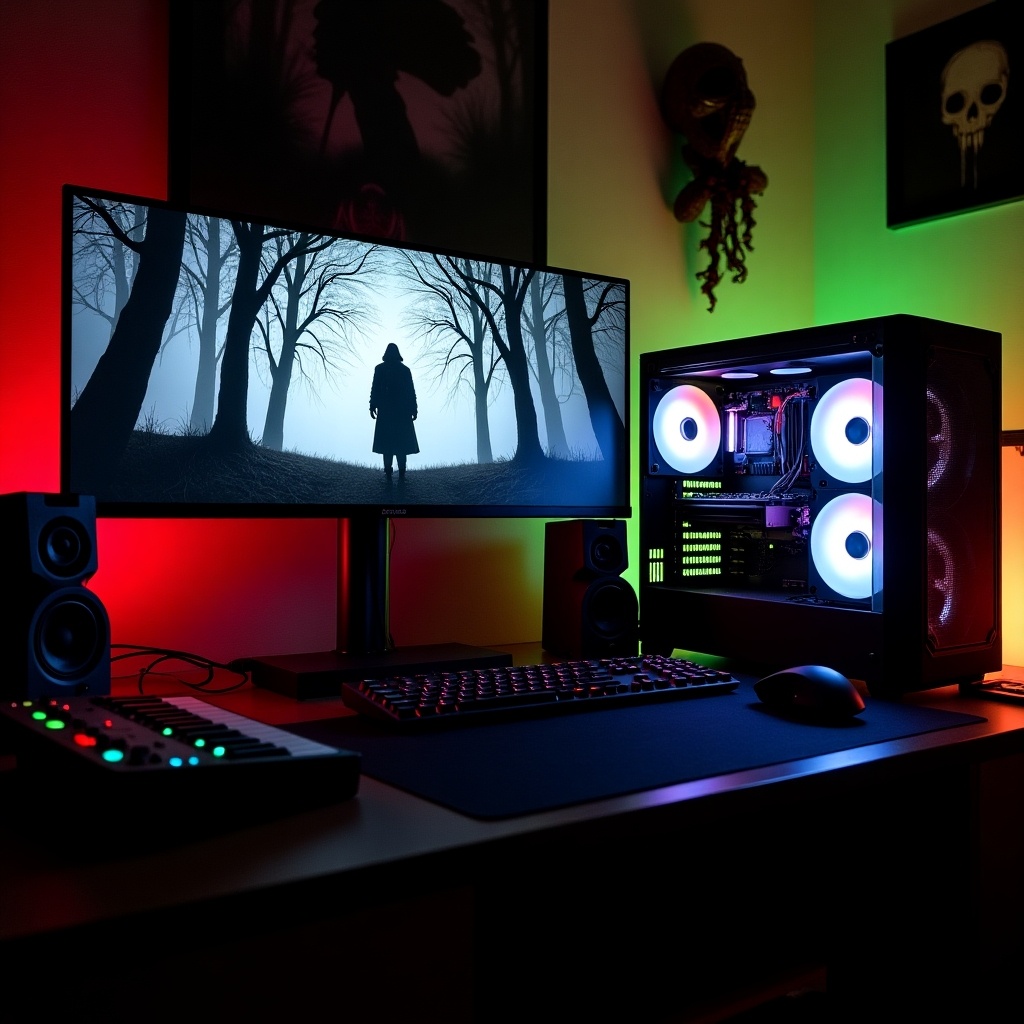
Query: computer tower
x=828 y=495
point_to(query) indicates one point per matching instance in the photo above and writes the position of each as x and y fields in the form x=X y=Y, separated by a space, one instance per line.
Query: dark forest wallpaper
x=214 y=360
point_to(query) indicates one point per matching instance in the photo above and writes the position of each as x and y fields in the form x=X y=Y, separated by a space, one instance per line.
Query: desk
x=878 y=863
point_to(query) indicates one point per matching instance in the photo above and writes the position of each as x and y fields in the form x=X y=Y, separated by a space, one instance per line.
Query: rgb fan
x=687 y=429
x=845 y=548
x=842 y=427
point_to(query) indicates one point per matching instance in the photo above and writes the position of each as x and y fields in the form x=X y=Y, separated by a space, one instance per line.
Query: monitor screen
x=215 y=366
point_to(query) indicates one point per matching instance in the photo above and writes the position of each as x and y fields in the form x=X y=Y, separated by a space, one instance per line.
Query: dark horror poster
x=416 y=120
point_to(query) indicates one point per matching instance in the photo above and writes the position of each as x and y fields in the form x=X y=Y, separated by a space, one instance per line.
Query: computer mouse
x=811 y=689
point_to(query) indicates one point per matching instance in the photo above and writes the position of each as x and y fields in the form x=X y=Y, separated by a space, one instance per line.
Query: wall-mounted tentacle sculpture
x=705 y=97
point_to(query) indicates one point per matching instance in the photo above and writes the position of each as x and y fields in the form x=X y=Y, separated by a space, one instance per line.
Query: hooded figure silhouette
x=393 y=406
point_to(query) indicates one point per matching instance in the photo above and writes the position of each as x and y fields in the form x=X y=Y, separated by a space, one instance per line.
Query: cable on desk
x=162 y=656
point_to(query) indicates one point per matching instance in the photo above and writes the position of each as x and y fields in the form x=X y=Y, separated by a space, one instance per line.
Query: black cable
x=162 y=655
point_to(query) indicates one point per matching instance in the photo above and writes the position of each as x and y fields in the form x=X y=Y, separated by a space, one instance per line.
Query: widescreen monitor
x=216 y=366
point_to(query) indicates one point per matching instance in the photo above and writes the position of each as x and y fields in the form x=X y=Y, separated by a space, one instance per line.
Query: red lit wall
x=83 y=99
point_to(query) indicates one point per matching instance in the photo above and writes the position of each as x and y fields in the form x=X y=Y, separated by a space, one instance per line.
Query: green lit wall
x=822 y=252
x=965 y=268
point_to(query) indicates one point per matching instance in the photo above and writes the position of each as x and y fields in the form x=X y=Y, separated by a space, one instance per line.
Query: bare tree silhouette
x=549 y=360
x=313 y=292
x=500 y=301
x=104 y=260
x=202 y=302
x=451 y=321
x=230 y=429
x=608 y=300
x=105 y=413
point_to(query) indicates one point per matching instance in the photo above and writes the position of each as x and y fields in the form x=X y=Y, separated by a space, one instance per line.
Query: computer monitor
x=774 y=466
x=214 y=366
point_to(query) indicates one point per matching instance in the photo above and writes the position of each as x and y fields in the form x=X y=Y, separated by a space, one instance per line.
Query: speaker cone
x=846 y=552
x=65 y=547
x=70 y=634
x=842 y=428
x=687 y=428
x=610 y=611
x=606 y=553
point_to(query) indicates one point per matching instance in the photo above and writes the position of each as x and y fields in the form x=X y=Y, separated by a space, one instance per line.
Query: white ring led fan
x=841 y=430
x=687 y=428
x=845 y=552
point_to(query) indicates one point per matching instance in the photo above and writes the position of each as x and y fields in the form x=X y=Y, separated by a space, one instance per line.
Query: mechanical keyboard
x=165 y=767
x=442 y=699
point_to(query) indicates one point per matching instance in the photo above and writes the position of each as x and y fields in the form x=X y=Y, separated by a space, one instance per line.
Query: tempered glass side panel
x=740 y=501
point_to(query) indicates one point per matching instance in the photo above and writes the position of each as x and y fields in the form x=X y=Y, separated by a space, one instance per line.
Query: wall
x=83 y=99
x=965 y=268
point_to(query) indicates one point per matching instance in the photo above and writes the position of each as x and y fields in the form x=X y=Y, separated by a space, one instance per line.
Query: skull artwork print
x=955 y=116
x=973 y=89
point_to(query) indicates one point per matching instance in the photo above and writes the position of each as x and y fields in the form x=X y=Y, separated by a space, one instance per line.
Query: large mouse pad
x=507 y=769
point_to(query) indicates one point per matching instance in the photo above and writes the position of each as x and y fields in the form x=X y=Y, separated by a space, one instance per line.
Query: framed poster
x=418 y=120
x=954 y=122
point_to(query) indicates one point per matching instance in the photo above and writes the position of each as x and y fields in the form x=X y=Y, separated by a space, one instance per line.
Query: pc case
x=826 y=495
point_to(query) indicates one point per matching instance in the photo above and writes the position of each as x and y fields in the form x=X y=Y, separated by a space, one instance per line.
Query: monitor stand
x=364 y=642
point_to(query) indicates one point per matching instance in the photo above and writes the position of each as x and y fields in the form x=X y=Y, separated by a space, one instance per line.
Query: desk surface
x=382 y=832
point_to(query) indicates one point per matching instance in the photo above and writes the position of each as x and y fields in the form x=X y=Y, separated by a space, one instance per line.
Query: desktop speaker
x=56 y=632
x=589 y=609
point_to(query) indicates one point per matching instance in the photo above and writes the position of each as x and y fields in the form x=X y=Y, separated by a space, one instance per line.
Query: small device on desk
x=1006 y=688
x=811 y=690
x=442 y=699
x=144 y=768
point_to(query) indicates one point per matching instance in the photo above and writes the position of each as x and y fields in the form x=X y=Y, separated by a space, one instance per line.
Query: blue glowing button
x=113 y=755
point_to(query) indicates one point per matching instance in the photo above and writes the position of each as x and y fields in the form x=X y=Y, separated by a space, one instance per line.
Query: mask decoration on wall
x=705 y=97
